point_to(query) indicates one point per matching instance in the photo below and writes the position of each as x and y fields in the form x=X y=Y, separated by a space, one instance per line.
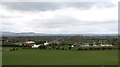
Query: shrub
x=91 y=48
x=119 y=48
x=69 y=48
x=66 y=48
x=16 y=48
x=57 y=48
x=63 y=48
x=79 y=49
x=95 y=48
x=42 y=47
x=98 y=48
x=109 y=48
x=49 y=47
x=86 y=48
x=53 y=47
x=103 y=48
x=11 y=49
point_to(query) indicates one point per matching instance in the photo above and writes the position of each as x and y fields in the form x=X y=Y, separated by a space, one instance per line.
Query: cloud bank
x=59 y=18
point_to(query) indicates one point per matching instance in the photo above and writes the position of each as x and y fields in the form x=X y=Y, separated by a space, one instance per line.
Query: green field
x=0 y=56
x=59 y=57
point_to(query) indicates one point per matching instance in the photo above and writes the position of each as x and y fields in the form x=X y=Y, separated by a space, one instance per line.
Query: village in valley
x=32 y=44
x=61 y=42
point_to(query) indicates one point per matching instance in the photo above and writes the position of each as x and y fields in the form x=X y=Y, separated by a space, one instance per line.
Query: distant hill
x=20 y=34
x=42 y=34
x=8 y=34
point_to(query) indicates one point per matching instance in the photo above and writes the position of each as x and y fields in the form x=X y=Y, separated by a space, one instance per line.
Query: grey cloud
x=58 y=22
x=8 y=17
x=65 y=22
x=42 y=6
x=75 y=23
x=5 y=22
x=64 y=26
x=30 y=5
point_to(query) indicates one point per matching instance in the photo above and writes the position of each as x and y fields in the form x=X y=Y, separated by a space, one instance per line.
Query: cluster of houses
x=87 y=44
x=32 y=44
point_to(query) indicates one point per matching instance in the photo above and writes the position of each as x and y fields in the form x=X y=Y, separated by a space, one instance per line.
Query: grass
x=59 y=57
x=0 y=56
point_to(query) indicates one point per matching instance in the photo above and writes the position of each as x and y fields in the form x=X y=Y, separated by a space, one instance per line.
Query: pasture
x=59 y=57
x=0 y=56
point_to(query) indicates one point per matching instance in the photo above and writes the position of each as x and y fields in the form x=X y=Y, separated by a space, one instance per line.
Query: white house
x=86 y=44
x=95 y=45
x=19 y=43
x=35 y=46
x=72 y=45
x=82 y=45
x=29 y=43
x=110 y=45
x=106 y=45
x=46 y=43
x=77 y=44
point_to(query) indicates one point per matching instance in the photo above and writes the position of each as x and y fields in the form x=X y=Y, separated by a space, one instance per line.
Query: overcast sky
x=59 y=17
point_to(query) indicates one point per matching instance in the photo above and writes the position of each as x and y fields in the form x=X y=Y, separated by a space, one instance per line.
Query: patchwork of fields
x=59 y=57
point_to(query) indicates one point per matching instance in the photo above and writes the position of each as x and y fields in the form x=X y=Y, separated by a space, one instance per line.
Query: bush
x=42 y=47
x=53 y=47
x=66 y=47
x=63 y=48
x=103 y=48
x=57 y=48
x=86 y=48
x=95 y=48
x=69 y=48
x=49 y=47
x=91 y=48
x=13 y=49
x=98 y=48
x=109 y=48
x=118 y=48
x=16 y=48
x=79 y=49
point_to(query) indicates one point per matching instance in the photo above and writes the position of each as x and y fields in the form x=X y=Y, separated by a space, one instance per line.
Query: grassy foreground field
x=59 y=57
x=0 y=56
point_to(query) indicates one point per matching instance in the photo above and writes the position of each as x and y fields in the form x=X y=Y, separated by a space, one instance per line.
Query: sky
x=59 y=17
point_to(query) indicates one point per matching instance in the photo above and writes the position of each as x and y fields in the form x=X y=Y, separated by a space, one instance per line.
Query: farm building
x=72 y=45
x=81 y=44
x=56 y=42
x=86 y=44
x=19 y=43
x=105 y=45
x=95 y=45
x=29 y=43
x=35 y=46
x=47 y=43
x=77 y=44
